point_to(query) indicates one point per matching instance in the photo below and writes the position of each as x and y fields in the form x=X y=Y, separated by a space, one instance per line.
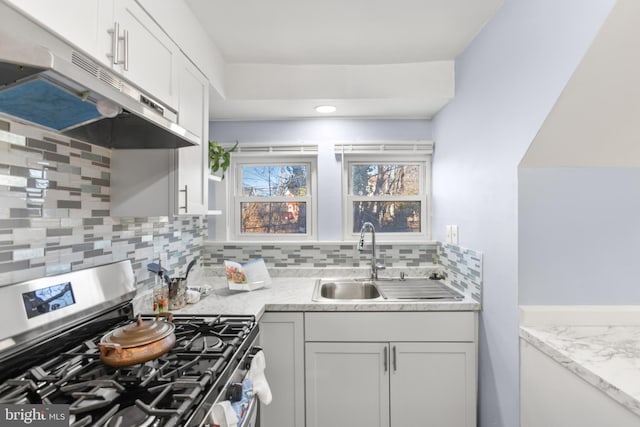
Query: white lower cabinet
x=347 y=385
x=432 y=384
x=282 y=338
x=386 y=383
x=552 y=395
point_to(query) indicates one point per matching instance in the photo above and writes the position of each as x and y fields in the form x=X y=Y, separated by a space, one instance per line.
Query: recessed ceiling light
x=325 y=109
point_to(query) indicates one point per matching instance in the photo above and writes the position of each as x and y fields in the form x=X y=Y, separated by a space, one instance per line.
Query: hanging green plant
x=219 y=157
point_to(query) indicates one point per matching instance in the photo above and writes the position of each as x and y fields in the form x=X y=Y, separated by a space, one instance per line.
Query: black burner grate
x=162 y=392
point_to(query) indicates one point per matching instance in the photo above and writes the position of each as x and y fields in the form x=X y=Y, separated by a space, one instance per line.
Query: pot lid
x=140 y=333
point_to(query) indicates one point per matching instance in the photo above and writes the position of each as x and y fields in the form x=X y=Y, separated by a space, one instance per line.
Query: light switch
x=454 y=234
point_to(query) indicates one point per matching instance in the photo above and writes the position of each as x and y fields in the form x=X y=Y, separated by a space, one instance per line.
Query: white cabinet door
x=282 y=339
x=193 y=99
x=193 y=172
x=433 y=384
x=145 y=182
x=347 y=384
x=82 y=23
x=141 y=183
x=150 y=57
x=552 y=395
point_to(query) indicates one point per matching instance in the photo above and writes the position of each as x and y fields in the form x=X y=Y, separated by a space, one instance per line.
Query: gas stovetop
x=166 y=391
x=49 y=353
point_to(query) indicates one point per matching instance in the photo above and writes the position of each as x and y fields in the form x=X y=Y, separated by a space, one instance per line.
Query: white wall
x=324 y=132
x=595 y=121
x=580 y=182
x=507 y=81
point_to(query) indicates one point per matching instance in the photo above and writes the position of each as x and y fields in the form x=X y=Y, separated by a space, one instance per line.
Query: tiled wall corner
x=463 y=268
x=55 y=212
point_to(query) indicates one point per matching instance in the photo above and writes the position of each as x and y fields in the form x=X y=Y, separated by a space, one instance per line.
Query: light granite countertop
x=608 y=356
x=295 y=294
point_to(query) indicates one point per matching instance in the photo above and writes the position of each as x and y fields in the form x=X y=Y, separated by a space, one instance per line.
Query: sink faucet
x=374 y=262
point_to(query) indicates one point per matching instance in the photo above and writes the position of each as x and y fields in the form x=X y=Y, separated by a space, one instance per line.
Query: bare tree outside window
x=274 y=199
x=387 y=195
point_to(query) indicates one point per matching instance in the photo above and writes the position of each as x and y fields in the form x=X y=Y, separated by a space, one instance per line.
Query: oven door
x=251 y=418
x=237 y=405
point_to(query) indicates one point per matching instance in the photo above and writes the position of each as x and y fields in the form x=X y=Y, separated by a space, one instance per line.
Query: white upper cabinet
x=193 y=115
x=193 y=99
x=77 y=21
x=144 y=54
x=117 y=33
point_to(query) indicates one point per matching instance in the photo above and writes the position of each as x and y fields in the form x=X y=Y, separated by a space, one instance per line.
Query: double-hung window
x=273 y=193
x=388 y=186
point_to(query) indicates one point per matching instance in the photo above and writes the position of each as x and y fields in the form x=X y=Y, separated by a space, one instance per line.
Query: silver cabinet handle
x=385 y=359
x=395 y=359
x=115 y=38
x=186 y=199
x=126 y=50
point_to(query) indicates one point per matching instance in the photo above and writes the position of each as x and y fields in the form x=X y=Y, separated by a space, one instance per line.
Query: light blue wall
x=579 y=235
x=319 y=131
x=506 y=83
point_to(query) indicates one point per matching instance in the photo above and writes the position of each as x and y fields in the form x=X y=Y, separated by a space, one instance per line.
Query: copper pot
x=138 y=342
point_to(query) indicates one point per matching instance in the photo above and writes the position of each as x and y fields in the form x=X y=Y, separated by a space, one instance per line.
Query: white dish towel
x=256 y=375
x=224 y=415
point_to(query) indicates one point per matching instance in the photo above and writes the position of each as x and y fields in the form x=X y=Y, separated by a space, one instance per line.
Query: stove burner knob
x=234 y=394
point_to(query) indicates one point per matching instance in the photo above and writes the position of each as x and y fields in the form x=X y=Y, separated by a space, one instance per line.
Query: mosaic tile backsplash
x=55 y=217
x=320 y=254
x=55 y=212
x=462 y=268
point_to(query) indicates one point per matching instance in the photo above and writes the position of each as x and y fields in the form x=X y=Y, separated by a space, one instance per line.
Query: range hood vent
x=82 y=99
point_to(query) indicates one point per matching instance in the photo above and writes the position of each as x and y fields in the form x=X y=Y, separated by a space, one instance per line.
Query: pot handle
x=108 y=348
x=166 y=314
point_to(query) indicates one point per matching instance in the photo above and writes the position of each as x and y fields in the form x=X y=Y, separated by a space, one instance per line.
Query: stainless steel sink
x=418 y=289
x=346 y=290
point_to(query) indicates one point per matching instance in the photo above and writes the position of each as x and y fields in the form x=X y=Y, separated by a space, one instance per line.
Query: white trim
x=273 y=157
x=408 y=153
x=256 y=149
x=417 y=148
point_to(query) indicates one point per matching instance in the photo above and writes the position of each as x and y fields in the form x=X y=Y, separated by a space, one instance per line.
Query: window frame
x=388 y=157
x=236 y=198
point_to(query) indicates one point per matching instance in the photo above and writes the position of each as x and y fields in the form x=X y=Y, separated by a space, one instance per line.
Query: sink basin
x=418 y=289
x=348 y=289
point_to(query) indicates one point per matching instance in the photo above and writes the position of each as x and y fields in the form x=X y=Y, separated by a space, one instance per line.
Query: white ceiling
x=370 y=58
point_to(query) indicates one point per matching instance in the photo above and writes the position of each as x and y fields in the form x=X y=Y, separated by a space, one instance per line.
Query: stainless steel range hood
x=80 y=98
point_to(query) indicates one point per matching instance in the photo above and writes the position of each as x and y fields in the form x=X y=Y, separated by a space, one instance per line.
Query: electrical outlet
x=454 y=234
x=449 y=234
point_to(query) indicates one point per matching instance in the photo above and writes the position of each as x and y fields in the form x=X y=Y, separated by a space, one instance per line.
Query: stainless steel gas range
x=50 y=338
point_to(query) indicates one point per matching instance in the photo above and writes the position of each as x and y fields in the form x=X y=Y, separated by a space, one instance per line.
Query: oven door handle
x=250 y=418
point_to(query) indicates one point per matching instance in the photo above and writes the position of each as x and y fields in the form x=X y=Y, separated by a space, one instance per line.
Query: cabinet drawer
x=391 y=326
